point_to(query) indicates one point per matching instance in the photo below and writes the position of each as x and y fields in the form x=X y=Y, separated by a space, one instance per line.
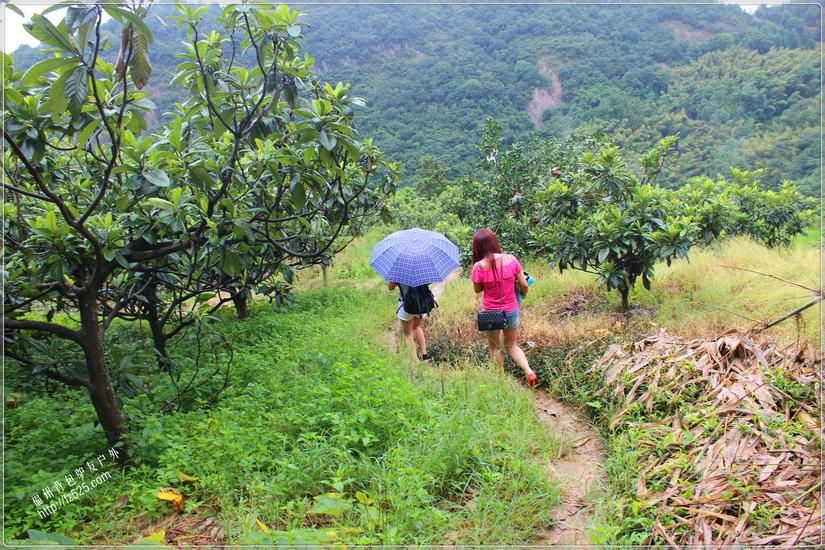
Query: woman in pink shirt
x=496 y=273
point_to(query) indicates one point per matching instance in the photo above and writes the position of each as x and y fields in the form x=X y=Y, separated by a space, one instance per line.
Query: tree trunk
x=100 y=385
x=625 y=302
x=326 y=276
x=158 y=338
x=241 y=301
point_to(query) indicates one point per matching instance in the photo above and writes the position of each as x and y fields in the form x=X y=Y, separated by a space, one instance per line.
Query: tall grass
x=316 y=407
x=713 y=293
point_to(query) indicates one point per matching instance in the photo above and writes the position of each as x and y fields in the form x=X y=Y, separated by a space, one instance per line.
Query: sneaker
x=425 y=357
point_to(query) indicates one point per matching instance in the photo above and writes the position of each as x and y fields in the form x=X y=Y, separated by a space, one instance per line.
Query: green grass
x=699 y=298
x=317 y=414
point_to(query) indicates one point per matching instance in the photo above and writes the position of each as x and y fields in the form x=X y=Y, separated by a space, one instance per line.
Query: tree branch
x=54 y=375
x=42 y=326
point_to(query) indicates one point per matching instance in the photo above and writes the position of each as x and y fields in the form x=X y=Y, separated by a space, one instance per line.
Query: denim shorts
x=513 y=319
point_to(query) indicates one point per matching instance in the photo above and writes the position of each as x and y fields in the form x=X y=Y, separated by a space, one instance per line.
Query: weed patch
x=320 y=437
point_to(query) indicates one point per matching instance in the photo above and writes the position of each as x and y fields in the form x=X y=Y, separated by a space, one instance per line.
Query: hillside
x=670 y=341
x=432 y=74
x=741 y=90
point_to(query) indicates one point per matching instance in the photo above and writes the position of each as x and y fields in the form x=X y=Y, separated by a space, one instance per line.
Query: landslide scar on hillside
x=545 y=98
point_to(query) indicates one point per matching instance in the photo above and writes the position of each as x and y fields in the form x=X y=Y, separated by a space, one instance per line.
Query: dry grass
x=730 y=439
x=711 y=293
x=702 y=297
x=705 y=296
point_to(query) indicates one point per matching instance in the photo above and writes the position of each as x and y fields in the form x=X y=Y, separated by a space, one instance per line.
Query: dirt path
x=438 y=288
x=578 y=472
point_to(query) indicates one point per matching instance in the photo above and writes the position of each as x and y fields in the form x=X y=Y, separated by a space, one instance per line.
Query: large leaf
x=232 y=264
x=157 y=178
x=77 y=88
x=120 y=15
x=43 y=29
x=44 y=537
x=46 y=66
x=174 y=496
x=77 y=16
x=331 y=504
x=57 y=93
x=86 y=133
x=327 y=141
x=15 y=9
x=141 y=68
x=163 y=204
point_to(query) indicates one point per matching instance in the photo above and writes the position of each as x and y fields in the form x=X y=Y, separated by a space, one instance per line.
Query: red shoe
x=532 y=380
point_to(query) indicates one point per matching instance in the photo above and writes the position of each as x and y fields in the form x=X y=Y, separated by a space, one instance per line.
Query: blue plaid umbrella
x=415 y=257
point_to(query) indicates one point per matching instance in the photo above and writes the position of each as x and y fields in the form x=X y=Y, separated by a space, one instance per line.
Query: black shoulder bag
x=493 y=319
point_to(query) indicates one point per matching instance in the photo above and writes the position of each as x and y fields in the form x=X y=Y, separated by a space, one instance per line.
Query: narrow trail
x=438 y=288
x=578 y=472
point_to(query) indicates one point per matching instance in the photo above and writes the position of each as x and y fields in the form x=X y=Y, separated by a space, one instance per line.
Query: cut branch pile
x=729 y=437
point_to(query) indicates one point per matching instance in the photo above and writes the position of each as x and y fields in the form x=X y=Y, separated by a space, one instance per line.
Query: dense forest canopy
x=740 y=89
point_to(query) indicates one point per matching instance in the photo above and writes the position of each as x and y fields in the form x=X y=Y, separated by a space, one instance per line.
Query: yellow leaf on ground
x=262 y=526
x=187 y=478
x=157 y=536
x=172 y=495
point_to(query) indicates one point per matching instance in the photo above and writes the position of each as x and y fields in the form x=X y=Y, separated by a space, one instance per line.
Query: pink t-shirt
x=505 y=298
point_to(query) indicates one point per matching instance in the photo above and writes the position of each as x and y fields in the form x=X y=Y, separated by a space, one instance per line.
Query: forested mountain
x=740 y=89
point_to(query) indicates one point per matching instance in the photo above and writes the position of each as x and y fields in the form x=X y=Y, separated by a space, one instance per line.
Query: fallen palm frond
x=731 y=437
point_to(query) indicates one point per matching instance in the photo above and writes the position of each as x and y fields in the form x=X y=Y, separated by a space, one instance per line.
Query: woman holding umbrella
x=411 y=323
x=411 y=259
x=496 y=274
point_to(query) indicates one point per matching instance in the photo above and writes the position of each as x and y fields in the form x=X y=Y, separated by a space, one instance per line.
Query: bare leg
x=514 y=351
x=494 y=341
x=418 y=332
x=407 y=328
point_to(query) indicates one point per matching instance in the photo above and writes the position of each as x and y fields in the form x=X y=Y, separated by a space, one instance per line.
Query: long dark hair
x=485 y=245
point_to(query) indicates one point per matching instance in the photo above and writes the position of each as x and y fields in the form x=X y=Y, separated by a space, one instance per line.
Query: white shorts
x=404 y=316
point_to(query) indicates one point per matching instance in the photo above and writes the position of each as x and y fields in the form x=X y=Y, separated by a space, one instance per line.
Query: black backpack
x=418 y=300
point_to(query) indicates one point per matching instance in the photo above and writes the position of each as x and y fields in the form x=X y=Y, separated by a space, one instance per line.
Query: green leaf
x=15 y=9
x=299 y=197
x=43 y=29
x=46 y=66
x=86 y=133
x=175 y=195
x=141 y=67
x=120 y=14
x=42 y=536
x=57 y=94
x=77 y=88
x=78 y=15
x=327 y=141
x=158 y=178
x=232 y=265
x=10 y=95
x=294 y=31
x=122 y=261
x=163 y=204
x=200 y=177
x=330 y=504
x=301 y=537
